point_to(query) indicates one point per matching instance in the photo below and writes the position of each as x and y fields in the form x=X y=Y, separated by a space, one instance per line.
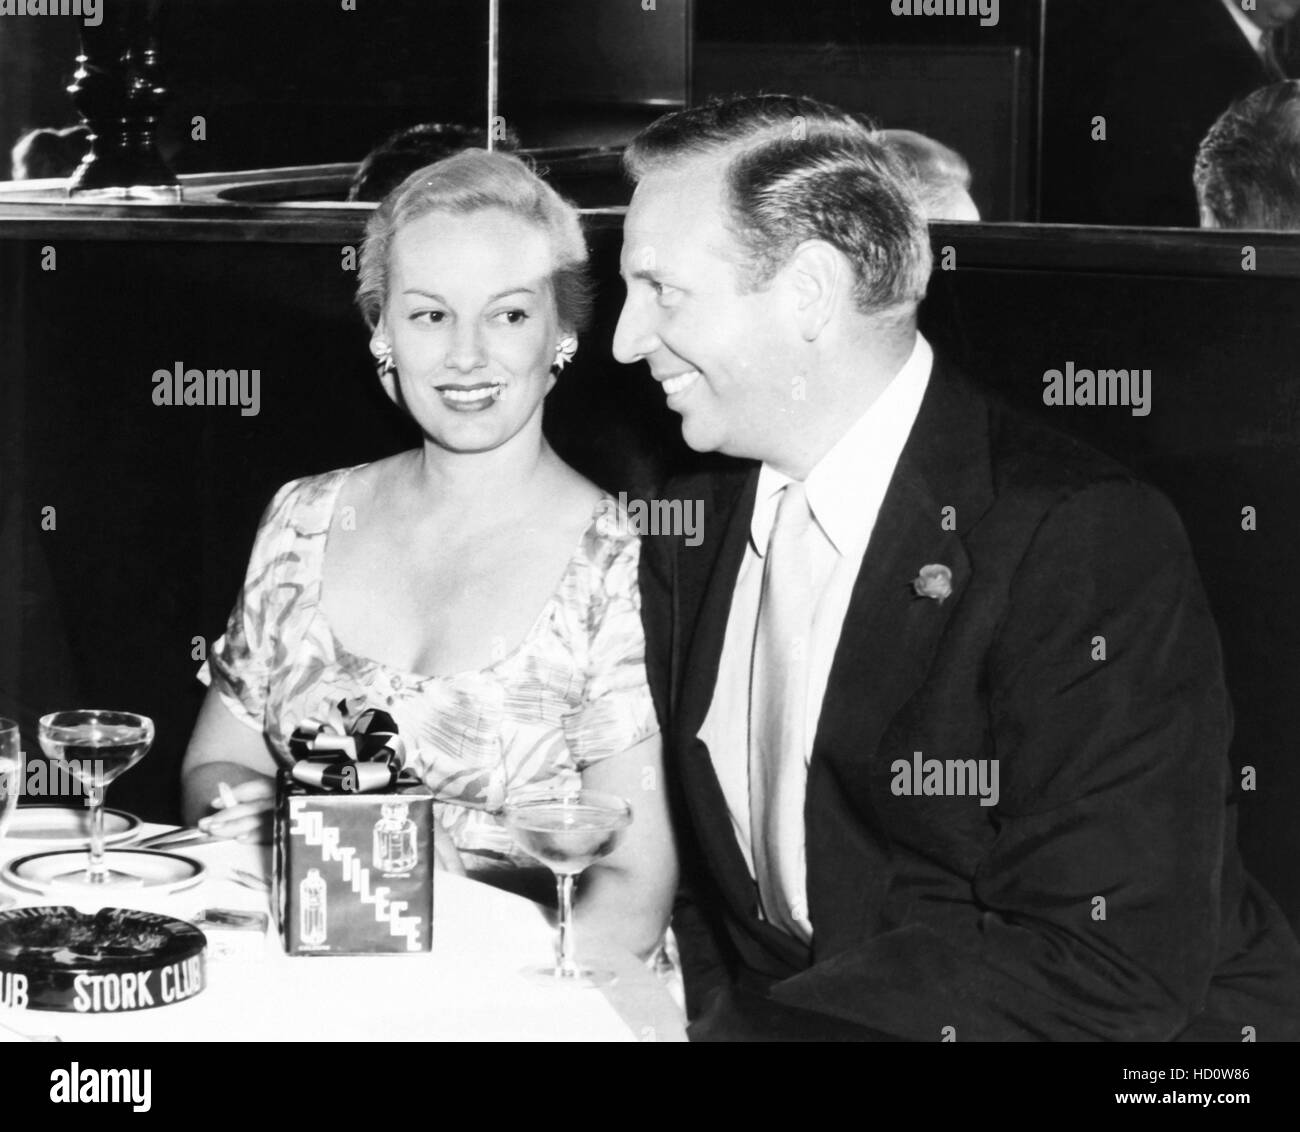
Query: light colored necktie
x=778 y=690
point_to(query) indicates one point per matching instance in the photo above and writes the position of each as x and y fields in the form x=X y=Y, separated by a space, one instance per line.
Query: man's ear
x=816 y=274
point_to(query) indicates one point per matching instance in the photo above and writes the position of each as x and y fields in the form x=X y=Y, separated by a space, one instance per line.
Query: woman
x=476 y=588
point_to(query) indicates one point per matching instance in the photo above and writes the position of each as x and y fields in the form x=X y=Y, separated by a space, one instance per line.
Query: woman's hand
x=224 y=750
x=243 y=812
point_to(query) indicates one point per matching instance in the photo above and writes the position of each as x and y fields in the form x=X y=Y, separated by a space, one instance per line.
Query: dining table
x=469 y=987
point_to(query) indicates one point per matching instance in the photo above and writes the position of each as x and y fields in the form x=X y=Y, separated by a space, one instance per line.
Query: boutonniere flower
x=934 y=582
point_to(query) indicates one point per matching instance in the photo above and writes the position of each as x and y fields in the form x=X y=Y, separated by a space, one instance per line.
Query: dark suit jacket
x=1160 y=72
x=934 y=912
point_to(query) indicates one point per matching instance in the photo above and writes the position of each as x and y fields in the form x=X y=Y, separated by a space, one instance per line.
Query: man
x=1248 y=166
x=943 y=176
x=401 y=154
x=941 y=696
x=1131 y=90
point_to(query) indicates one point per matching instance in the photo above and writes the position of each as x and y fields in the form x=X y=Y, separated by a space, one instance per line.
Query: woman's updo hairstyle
x=469 y=182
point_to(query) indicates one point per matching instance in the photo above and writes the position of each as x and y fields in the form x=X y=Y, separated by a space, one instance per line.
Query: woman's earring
x=564 y=351
x=383 y=353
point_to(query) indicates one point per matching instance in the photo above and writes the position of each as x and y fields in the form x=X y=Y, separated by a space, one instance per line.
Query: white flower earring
x=564 y=351
x=383 y=353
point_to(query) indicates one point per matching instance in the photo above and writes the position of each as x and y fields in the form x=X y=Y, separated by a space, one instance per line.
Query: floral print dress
x=572 y=693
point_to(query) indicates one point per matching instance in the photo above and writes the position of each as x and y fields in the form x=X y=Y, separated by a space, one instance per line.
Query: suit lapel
x=706 y=582
x=890 y=633
x=939 y=491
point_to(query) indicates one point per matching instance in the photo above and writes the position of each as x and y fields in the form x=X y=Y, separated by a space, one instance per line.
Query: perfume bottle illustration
x=395 y=850
x=311 y=893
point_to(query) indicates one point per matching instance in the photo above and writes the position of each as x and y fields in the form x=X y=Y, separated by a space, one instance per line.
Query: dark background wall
x=591 y=72
x=1223 y=434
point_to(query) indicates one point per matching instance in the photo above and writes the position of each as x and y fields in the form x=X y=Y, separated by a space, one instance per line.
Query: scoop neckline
x=547 y=611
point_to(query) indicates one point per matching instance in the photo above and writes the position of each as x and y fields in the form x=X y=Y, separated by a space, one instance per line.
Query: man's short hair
x=798 y=170
x=1248 y=166
x=401 y=154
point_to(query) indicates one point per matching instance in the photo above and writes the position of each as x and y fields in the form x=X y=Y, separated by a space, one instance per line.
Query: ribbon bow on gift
x=347 y=753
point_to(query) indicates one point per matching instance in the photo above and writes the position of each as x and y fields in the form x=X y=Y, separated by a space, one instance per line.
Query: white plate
x=67 y=827
x=61 y=870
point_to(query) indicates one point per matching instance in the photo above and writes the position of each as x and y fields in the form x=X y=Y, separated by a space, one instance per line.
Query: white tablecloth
x=467 y=989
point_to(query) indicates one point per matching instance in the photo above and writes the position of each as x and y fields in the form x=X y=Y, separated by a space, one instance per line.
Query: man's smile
x=679 y=382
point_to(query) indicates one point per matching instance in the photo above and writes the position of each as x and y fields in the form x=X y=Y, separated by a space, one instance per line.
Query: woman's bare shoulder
x=376 y=480
x=572 y=497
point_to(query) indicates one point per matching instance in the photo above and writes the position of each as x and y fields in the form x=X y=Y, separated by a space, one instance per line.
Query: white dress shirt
x=845 y=491
x=1252 y=31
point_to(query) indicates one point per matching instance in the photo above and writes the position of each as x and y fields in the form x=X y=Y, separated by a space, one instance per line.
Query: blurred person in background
x=1248 y=167
x=943 y=175
x=1153 y=76
x=401 y=154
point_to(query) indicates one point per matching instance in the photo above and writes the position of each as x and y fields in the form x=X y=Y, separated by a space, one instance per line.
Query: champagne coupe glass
x=97 y=747
x=11 y=780
x=567 y=830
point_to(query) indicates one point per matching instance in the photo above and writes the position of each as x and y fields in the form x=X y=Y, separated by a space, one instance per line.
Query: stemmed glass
x=97 y=747
x=567 y=830
x=11 y=780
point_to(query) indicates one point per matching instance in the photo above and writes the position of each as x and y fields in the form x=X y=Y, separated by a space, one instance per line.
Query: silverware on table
x=175 y=837
x=250 y=880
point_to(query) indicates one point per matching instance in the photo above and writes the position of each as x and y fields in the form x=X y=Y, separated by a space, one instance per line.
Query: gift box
x=353 y=842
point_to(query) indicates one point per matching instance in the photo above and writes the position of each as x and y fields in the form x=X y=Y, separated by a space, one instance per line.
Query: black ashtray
x=109 y=962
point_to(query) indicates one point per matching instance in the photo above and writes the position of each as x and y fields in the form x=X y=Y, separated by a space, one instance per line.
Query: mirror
x=1065 y=111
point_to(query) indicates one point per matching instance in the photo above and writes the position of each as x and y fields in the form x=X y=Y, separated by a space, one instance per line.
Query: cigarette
x=227 y=796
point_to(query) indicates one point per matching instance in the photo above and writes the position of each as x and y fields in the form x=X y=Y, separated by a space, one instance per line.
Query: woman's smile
x=473 y=398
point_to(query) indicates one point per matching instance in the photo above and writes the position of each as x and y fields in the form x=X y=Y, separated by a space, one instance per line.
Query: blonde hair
x=469 y=182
